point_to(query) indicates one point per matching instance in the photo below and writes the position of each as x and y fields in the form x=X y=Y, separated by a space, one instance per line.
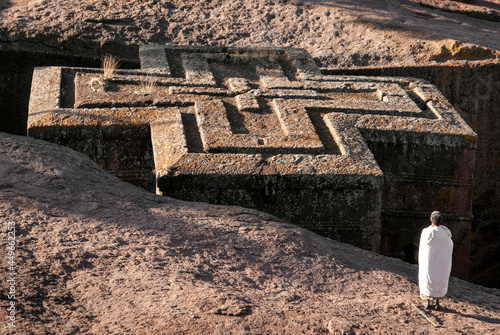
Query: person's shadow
x=477 y=317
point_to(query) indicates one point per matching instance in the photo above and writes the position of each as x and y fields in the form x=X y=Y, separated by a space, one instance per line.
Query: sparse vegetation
x=147 y=84
x=109 y=65
x=101 y=83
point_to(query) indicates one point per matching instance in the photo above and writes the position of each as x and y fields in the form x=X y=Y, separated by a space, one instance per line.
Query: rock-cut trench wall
x=474 y=90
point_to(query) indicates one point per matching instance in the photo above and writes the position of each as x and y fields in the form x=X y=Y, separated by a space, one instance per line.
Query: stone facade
x=359 y=159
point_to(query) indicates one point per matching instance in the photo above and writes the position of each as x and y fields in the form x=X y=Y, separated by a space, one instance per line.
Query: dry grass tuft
x=109 y=65
x=147 y=84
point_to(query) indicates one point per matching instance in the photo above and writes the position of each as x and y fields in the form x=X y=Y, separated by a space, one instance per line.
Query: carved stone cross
x=360 y=159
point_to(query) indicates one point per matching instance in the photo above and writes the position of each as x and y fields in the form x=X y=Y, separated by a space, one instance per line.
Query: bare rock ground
x=96 y=255
x=340 y=33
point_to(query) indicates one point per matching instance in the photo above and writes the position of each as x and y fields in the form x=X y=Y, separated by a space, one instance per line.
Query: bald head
x=436 y=218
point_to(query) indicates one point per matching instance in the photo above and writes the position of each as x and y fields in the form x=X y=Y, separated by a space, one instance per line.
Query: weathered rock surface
x=97 y=255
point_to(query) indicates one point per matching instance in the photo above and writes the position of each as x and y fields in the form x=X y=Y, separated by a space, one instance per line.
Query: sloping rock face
x=96 y=255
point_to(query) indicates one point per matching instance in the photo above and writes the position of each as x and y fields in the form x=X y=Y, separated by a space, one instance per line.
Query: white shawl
x=434 y=261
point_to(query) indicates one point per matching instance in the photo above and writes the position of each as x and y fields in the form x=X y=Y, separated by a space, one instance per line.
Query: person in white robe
x=434 y=261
